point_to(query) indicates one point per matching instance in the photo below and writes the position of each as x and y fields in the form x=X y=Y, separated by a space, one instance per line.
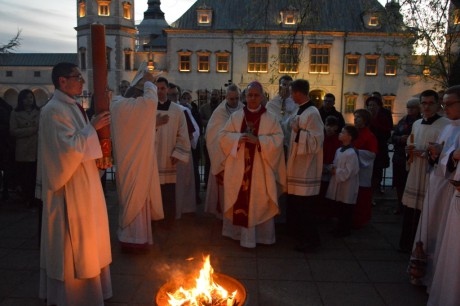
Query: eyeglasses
x=447 y=105
x=79 y=77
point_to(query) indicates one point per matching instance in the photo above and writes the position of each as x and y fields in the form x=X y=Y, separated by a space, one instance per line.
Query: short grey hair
x=233 y=88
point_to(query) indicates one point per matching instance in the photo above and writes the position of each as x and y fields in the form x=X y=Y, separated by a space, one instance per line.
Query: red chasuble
x=249 y=125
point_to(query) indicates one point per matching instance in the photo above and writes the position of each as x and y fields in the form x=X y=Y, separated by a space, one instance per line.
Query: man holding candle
x=75 y=245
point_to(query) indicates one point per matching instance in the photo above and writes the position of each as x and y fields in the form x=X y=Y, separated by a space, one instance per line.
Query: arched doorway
x=317 y=96
x=40 y=96
x=11 y=97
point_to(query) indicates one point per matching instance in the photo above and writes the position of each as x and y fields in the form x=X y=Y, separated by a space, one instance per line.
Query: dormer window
x=126 y=10
x=204 y=16
x=81 y=8
x=103 y=8
x=289 y=16
x=373 y=21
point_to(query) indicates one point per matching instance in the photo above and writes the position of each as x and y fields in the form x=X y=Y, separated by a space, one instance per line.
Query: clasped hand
x=247 y=137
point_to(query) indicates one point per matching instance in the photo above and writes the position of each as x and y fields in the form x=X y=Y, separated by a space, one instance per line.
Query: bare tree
x=435 y=26
x=12 y=44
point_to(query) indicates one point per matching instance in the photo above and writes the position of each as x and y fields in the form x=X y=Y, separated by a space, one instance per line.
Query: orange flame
x=206 y=291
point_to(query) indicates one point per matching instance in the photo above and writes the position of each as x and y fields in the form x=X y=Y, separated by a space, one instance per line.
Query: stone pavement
x=363 y=269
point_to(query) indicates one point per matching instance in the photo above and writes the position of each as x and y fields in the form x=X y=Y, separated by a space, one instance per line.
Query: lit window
x=289 y=59
x=373 y=21
x=388 y=102
x=290 y=19
x=126 y=10
x=372 y=65
x=223 y=60
x=352 y=64
x=103 y=8
x=185 y=61
x=37 y=74
x=391 y=63
x=319 y=59
x=203 y=62
x=204 y=18
x=350 y=102
x=204 y=15
x=289 y=16
x=258 y=58
x=81 y=8
x=457 y=16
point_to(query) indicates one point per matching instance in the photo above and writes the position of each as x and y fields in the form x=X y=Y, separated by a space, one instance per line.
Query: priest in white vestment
x=171 y=145
x=424 y=131
x=431 y=227
x=446 y=280
x=75 y=245
x=304 y=168
x=138 y=183
x=215 y=189
x=254 y=175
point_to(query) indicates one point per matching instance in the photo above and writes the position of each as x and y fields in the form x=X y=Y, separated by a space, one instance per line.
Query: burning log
x=211 y=289
x=102 y=95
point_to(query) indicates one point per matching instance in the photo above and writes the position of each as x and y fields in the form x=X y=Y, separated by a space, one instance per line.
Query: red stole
x=250 y=124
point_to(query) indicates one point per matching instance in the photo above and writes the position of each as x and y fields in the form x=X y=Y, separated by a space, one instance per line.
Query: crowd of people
x=262 y=159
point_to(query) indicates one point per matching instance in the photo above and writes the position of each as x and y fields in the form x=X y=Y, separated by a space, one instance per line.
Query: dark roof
x=323 y=15
x=37 y=59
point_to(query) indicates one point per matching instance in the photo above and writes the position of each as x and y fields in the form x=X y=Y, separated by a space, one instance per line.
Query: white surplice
x=185 y=186
x=75 y=247
x=414 y=192
x=344 y=184
x=446 y=281
x=268 y=179
x=437 y=199
x=305 y=161
x=172 y=141
x=138 y=184
x=214 y=191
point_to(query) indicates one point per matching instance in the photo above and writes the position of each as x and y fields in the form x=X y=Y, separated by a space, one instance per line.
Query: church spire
x=154 y=11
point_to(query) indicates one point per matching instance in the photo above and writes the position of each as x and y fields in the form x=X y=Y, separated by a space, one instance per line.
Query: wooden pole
x=101 y=93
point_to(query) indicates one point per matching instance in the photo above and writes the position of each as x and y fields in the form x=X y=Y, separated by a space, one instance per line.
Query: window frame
x=103 y=8
x=182 y=62
x=373 y=21
x=368 y=65
x=127 y=10
x=290 y=61
x=349 y=65
x=388 y=102
x=350 y=103
x=260 y=59
x=224 y=63
x=391 y=65
x=314 y=64
x=205 y=63
x=81 y=8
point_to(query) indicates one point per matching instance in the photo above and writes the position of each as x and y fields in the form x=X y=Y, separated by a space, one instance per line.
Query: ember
x=206 y=292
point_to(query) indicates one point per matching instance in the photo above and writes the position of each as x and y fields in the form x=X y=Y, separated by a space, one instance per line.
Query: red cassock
x=363 y=209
